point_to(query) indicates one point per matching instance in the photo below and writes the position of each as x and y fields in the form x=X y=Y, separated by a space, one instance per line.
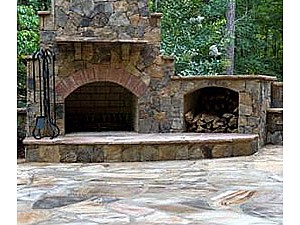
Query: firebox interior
x=100 y=106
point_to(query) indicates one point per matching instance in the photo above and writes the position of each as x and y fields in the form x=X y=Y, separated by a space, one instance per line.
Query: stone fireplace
x=111 y=76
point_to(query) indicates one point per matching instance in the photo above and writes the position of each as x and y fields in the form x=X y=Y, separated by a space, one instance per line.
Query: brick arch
x=101 y=73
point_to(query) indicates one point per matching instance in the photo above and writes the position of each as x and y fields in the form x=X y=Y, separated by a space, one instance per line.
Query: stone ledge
x=86 y=149
x=166 y=57
x=136 y=139
x=156 y=15
x=277 y=83
x=225 y=77
x=21 y=110
x=68 y=39
x=43 y=13
x=275 y=110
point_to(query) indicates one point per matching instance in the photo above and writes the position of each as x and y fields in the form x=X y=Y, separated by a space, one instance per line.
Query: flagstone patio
x=236 y=190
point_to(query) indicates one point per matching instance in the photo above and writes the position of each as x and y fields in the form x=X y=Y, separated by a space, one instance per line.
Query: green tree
x=230 y=27
x=258 y=37
x=193 y=31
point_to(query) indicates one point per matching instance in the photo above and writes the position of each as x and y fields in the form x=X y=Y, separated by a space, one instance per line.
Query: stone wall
x=99 y=20
x=138 y=153
x=105 y=19
x=21 y=131
x=140 y=149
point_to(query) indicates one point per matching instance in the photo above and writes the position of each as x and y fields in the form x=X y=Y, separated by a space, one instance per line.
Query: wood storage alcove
x=211 y=110
x=100 y=106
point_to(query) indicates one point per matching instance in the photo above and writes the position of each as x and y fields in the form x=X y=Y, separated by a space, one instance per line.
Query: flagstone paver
x=228 y=191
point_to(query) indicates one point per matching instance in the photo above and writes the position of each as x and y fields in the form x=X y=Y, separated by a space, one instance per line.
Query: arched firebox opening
x=211 y=110
x=100 y=106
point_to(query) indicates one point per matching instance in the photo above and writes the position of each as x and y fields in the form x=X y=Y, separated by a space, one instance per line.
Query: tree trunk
x=230 y=16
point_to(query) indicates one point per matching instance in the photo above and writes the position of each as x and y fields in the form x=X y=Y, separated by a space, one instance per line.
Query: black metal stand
x=45 y=122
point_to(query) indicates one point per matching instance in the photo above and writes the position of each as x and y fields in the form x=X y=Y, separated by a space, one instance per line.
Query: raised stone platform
x=134 y=147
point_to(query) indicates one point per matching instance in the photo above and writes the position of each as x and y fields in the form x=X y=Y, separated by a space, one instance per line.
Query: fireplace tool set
x=44 y=86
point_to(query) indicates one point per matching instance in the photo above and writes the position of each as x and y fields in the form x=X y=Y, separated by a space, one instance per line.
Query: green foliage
x=258 y=36
x=28 y=41
x=189 y=28
x=36 y=4
x=27 y=36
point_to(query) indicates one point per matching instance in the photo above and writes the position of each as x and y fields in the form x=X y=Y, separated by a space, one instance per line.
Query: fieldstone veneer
x=118 y=41
x=254 y=99
x=106 y=41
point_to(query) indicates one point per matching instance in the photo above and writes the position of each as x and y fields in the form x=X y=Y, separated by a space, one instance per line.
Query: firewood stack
x=211 y=123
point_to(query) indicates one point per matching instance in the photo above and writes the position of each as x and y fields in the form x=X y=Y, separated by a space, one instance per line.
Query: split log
x=200 y=123
x=208 y=118
x=210 y=123
x=234 y=130
x=189 y=117
x=219 y=130
x=196 y=118
x=233 y=122
x=236 y=110
x=200 y=129
x=218 y=124
x=227 y=115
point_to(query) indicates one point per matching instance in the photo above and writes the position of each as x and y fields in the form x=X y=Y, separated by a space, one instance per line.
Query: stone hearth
x=133 y=147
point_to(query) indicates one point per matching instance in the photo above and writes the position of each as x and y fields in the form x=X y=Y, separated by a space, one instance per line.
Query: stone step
x=134 y=147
